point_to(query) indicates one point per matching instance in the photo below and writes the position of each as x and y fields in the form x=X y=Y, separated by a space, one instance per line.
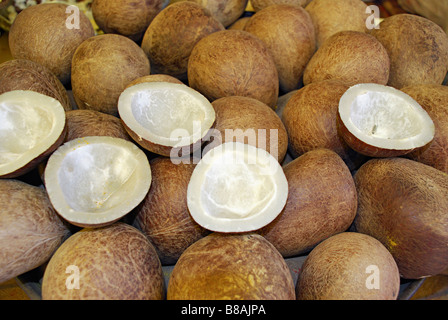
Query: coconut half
x=381 y=121
x=94 y=181
x=236 y=187
x=32 y=125
x=166 y=118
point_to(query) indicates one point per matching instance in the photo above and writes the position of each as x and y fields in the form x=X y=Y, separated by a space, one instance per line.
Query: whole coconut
x=417 y=47
x=126 y=17
x=403 y=204
x=434 y=99
x=226 y=11
x=258 y=5
x=349 y=56
x=330 y=17
x=349 y=266
x=102 y=68
x=313 y=211
x=47 y=34
x=116 y=262
x=172 y=34
x=250 y=121
x=163 y=215
x=288 y=32
x=233 y=63
x=30 y=229
x=310 y=120
x=20 y=74
x=233 y=267
x=154 y=78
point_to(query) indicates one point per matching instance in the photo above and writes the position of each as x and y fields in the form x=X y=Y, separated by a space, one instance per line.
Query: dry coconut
x=288 y=33
x=45 y=33
x=225 y=11
x=102 y=68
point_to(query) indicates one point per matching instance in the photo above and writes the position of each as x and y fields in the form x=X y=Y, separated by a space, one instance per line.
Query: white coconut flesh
x=30 y=123
x=236 y=187
x=95 y=180
x=385 y=117
x=168 y=114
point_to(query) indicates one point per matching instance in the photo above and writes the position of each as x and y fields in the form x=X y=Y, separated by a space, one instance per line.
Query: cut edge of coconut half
x=381 y=121
x=32 y=125
x=95 y=181
x=236 y=188
x=165 y=114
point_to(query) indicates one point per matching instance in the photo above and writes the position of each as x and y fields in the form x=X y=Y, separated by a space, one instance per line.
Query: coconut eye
x=379 y=121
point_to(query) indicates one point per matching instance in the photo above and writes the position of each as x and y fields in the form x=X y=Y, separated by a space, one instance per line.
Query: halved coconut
x=381 y=121
x=166 y=118
x=94 y=181
x=32 y=125
x=236 y=187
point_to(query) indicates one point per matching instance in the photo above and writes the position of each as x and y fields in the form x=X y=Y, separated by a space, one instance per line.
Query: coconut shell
x=310 y=120
x=349 y=266
x=288 y=32
x=40 y=33
x=126 y=17
x=434 y=99
x=30 y=229
x=233 y=63
x=102 y=68
x=403 y=204
x=116 y=262
x=20 y=74
x=163 y=215
x=173 y=33
x=248 y=120
x=330 y=17
x=218 y=267
x=313 y=212
x=154 y=78
x=417 y=47
x=351 y=57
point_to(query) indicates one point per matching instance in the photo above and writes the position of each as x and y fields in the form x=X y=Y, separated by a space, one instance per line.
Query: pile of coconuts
x=364 y=221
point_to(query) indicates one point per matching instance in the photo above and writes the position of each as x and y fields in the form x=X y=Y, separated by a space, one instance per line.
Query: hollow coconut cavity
x=236 y=187
x=32 y=125
x=381 y=121
x=95 y=181
x=166 y=118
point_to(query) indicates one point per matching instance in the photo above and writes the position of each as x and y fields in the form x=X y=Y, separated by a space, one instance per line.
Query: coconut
x=219 y=267
x=288 y=32
x=30 y=229
x=434 y=99
x=313 y=211
x=225 y=11
x=84 y=123
x=247 y=120
x=163 y=215
x=33 y=126
x=20 y=74
x=168 y=119
x=116 y=262
x=417 y=47
x=102 y=68
x=125 y=17
x=172 y=34
x=349 y=56
x=403 y=204
x=310 y=120
x=95 y=181
x=239 y=24
x=236 y=187
x=154 y=78
x=330 y=17
x=258 y=5
x=349 y=266
x=47 y=34
x=381 y=121
x=233 y=63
